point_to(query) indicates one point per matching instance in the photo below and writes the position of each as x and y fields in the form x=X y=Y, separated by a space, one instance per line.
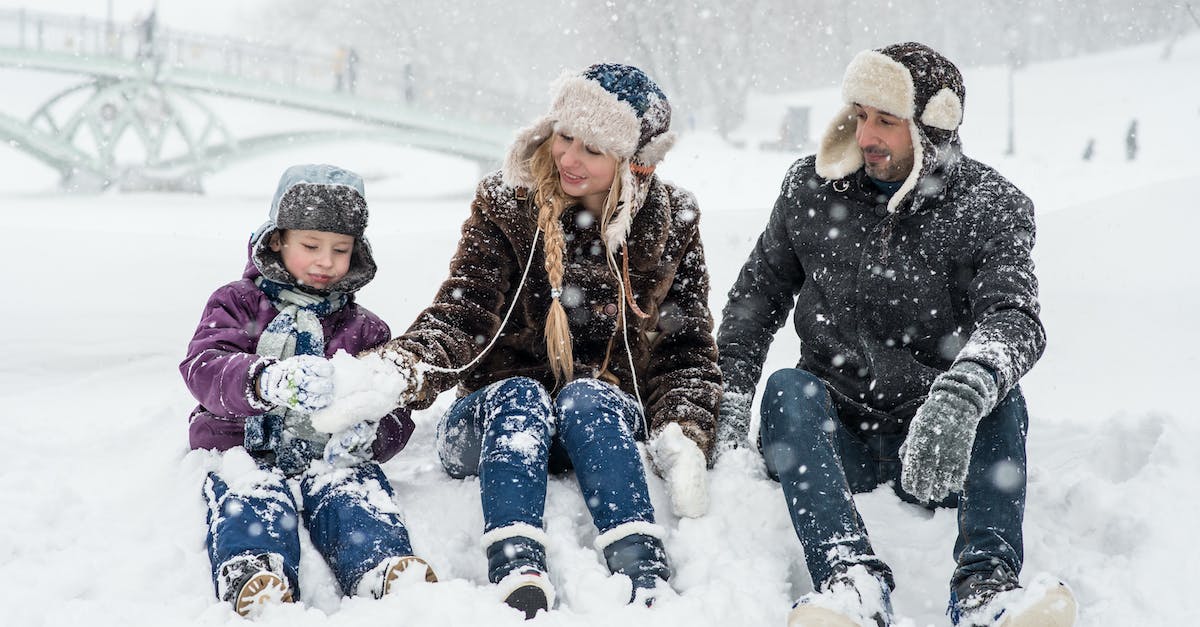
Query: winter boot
x=380 y=580
x=517 y=565
x=852 y=597
x=996 y=599
x=636 y=551
x=251 y=582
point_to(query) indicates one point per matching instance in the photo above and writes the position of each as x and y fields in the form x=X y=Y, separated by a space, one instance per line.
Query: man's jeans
x=820 y=463
x=512 y=435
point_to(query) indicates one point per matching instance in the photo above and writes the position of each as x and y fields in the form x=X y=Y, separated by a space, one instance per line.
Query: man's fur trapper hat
x=908 y=80
x=614 y=108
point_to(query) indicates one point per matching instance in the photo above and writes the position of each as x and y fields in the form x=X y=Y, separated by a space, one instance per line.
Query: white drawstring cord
x=612 y=265
x=504 y=322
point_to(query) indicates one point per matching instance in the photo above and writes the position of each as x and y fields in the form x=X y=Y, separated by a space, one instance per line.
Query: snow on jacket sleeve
x=221 y=366
x=1008 y=337
x=395 y=429
x=683 y=380
x=466 y=312
x=759 y=302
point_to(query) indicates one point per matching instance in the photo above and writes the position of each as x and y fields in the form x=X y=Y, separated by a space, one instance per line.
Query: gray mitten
x=937 y=452
x=733 y=420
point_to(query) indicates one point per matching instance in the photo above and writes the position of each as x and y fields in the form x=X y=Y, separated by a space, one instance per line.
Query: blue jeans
x=346 y=526
x=513 y=435
x=820 y=464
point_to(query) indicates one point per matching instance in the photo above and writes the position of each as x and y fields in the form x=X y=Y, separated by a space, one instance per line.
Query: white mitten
x=682 y=465
x=303 y=383
x=351 y=446
x=365 y=389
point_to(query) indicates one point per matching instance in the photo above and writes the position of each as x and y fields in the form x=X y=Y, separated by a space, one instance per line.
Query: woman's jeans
x=820 y=464
x=512 y=434
x=350 y=516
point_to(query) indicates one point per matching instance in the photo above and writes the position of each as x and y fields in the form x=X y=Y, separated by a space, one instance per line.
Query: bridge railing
x=159 y=49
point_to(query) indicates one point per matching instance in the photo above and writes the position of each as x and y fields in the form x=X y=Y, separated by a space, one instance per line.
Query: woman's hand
x=684 y=468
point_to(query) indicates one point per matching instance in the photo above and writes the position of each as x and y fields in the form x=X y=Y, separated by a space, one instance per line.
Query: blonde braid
x=549 y=199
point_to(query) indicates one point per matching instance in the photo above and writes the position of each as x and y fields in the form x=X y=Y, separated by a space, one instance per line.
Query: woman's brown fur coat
x=674 y=353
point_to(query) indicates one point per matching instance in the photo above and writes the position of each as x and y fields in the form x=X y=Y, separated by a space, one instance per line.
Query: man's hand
x=937 y=453
x=733 y=421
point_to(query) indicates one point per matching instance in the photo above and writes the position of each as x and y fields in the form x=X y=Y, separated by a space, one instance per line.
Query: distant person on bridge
x=146 y=35
x=908 y=265
x=258 y=365
x=575 y=323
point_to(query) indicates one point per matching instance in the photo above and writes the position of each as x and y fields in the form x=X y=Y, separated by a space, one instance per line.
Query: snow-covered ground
x=101 y=519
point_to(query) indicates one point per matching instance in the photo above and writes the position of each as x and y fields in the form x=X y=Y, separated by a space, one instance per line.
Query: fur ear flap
x=944 y=110
x=839 y=155
x=618 y=226
x=516 y=162
x=654 y=150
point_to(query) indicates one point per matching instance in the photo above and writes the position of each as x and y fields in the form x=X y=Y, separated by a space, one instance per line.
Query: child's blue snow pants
x=350 y=516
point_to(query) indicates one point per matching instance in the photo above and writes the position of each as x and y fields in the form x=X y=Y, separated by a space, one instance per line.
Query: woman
x=575 y=322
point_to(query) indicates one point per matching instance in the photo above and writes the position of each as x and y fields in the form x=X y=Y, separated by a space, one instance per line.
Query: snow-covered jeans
x=512 y=435
x=349 y=513
x=820 y=464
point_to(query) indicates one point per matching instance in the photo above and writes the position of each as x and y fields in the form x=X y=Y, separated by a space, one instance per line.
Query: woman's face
x=584 y=172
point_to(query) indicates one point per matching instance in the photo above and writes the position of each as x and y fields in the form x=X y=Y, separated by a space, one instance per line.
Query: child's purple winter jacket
x=221 y=364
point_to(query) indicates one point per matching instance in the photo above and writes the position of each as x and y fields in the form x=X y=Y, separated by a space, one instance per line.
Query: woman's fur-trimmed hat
x=911 y=81
x=612 y=107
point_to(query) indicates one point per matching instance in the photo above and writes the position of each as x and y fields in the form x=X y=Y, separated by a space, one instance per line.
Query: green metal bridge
x=139 y=120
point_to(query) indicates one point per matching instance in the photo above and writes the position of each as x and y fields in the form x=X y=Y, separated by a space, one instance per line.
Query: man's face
x=886 y=143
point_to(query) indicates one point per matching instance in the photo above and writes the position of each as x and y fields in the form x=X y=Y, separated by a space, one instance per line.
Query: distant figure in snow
x=146 y=35
x=1089 y=150
x=351 y=69
x=909 y=267
x=1131 y=140
x=258 y=365
x=575 y=323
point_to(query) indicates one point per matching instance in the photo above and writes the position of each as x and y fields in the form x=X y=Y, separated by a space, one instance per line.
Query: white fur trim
x=914 y=175
x=516 y=579
x=876 y=80
x=516 y=170
x=513 y=531
x=624 y=530
x=618 y=226
x=944 y=110
x=585 y=110
x=655 y=149
x=839 y=155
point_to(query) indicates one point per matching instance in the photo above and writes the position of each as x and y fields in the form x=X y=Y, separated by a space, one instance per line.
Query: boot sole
x=404 y=564
x=1056 y=609
x=528 y=599
x=264 y=588
x=813 y=616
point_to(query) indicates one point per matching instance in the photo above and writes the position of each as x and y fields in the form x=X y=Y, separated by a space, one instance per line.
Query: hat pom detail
x=944 y=110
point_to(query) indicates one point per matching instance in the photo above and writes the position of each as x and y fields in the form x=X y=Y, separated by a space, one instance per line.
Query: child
x=258 y=365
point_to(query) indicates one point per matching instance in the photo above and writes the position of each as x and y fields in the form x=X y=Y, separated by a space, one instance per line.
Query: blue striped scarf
x=295 y=330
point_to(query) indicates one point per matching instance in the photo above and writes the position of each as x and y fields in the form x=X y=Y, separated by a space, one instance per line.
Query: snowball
x=366 y=388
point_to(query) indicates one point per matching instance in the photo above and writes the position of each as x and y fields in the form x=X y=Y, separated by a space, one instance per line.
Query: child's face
x=314 y=258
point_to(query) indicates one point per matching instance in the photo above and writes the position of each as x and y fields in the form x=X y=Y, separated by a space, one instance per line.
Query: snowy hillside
x=101 y=518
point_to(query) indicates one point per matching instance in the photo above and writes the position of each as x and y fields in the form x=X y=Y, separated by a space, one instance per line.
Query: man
x=916 y=306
